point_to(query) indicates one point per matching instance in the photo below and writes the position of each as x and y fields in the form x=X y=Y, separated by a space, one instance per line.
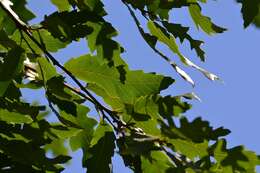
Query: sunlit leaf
x=13 y=117
x=122 y=88
x=62 y=5
x=203 y=22
x=157 y=162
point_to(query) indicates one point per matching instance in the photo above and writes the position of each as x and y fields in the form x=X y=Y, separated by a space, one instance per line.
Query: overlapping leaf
x=147 y=111
x=178 y=31
x=21 y=148
x=124 y=89
x=10 y=67
x=236 y=159
x=161 y=34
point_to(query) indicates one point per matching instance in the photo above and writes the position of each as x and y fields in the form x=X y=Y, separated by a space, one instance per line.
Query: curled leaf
x=182 y=73
x=206 y=73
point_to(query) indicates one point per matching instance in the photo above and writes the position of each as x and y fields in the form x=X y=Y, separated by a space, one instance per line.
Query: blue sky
x=234 y=56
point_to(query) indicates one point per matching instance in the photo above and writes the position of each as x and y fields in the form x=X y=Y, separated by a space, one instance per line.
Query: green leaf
x=83 y=126
x=148 y=110
x=20 y=107
x=81 y=140
x=42 y=36
x=178 y=31
x=6 y=42
x=12 y=92
x=101 y=41
x=63 y=132
x=161 y=35
x=28 y=154
x=151 y=41
x=257 y=20
x=19 y=6
x=136 y=145
x=3 y=87
x=236 y=159
x=189 y=148
x=124 y=89
x=250 y=9
x=98 y=157
x=57 y=147
x=45 y=69
x=12 y=64
x=80 y=118
x=95 y=6
x=197 y=130
x=10 y=67
x=62 y=5
x=203 y=22
x=166 y=106
x=157 y=162
x=14 y=117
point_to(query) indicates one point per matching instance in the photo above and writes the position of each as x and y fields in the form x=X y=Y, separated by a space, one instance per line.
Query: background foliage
x=139 y=121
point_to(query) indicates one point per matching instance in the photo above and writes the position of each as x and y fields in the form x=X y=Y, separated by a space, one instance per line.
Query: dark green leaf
x=250 y=9
x=178 y=31
x=69 y=26
x=198 y=131
x=236 y=159
x=136 y=84
x=98 y=157
x=11 y=66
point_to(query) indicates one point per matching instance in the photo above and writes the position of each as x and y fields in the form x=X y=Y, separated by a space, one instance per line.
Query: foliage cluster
x=147 y=129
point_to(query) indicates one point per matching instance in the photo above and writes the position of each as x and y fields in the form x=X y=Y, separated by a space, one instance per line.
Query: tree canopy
x=132 y=117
